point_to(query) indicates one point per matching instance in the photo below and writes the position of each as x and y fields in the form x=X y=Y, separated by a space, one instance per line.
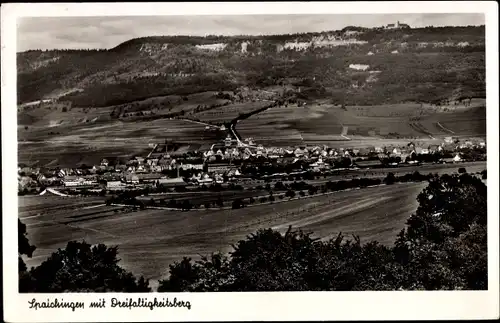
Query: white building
x=114 y=184
x=359 y=67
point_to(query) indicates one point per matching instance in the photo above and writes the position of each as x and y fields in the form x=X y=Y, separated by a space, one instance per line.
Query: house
x=104 y=162
x=156 y=168
x=140 y=160
x=192 y=166
x=164 y=161
x=359 y=67
x=171 y=182
x=25 y=181
x=319 y=165
x=228 y=141
x=27 y=170
x=205 y=179
x=152 y=161
x=219 y=167
x=435 y=149
x=114 y=184
x=404 y=157
x=147 y=178
x=448 y=140
x=455 y=159
x=72 y=181
x=131 y=179
x=298 y=152
x=219 y=179
x=234 y=172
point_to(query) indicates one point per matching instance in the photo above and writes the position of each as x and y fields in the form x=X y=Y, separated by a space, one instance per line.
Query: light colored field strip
x=56 y=192
x=90 y=229
x=344 y=132
x=340 y=211
x=93 y=206
x=445 y=129
x=31 y=217
x=198 y=122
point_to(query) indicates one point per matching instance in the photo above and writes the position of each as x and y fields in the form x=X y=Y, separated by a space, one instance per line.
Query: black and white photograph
x=199 y=153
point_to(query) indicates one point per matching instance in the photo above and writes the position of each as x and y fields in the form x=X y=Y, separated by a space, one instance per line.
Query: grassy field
x=90 y=143
x=357 y=126
x=229 y=112
x=151 y=239
x=200 y=198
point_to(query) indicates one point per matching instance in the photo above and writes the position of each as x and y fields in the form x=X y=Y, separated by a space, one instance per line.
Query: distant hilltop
x=395 y=59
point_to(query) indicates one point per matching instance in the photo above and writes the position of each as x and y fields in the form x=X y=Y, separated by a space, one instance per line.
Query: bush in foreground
x=443 y=246
x=81 y=267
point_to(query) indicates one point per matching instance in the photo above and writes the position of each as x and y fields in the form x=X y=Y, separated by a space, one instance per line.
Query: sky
x=107 y=32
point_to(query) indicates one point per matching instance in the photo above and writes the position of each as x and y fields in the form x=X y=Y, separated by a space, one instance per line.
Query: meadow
x=229 y=112
x=67 y=146
x=149 y=240
x=357 y=126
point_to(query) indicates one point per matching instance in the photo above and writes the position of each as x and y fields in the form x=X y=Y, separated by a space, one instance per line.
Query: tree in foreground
x=442 y=247
x=81 y=267
x=26 y=249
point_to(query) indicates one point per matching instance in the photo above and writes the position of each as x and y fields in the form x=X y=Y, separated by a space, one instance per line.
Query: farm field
x=199 y=198
x=229 y=112
x=149 y=240
x=89 y=144
x=359 y=126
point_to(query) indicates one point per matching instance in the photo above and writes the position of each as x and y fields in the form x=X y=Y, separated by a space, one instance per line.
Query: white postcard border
x=249 y=306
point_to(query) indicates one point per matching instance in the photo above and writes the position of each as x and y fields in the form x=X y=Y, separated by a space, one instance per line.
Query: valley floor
x=150 y=240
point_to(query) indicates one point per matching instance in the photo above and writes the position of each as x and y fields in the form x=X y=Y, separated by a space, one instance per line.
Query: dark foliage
x=433 y=252
x=81 y=267
x=443 y=247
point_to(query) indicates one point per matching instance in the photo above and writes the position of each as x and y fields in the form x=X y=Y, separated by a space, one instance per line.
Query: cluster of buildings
x=223 y=162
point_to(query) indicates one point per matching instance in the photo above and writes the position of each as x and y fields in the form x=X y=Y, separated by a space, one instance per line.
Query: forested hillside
x=424 y=65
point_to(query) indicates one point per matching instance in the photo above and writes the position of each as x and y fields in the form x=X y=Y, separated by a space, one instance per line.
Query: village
x=235 y=161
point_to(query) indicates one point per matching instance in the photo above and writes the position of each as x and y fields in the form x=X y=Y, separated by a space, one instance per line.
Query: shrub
x=237 y=203
x=81 y=267
x=432 y=252
x=390 y=179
